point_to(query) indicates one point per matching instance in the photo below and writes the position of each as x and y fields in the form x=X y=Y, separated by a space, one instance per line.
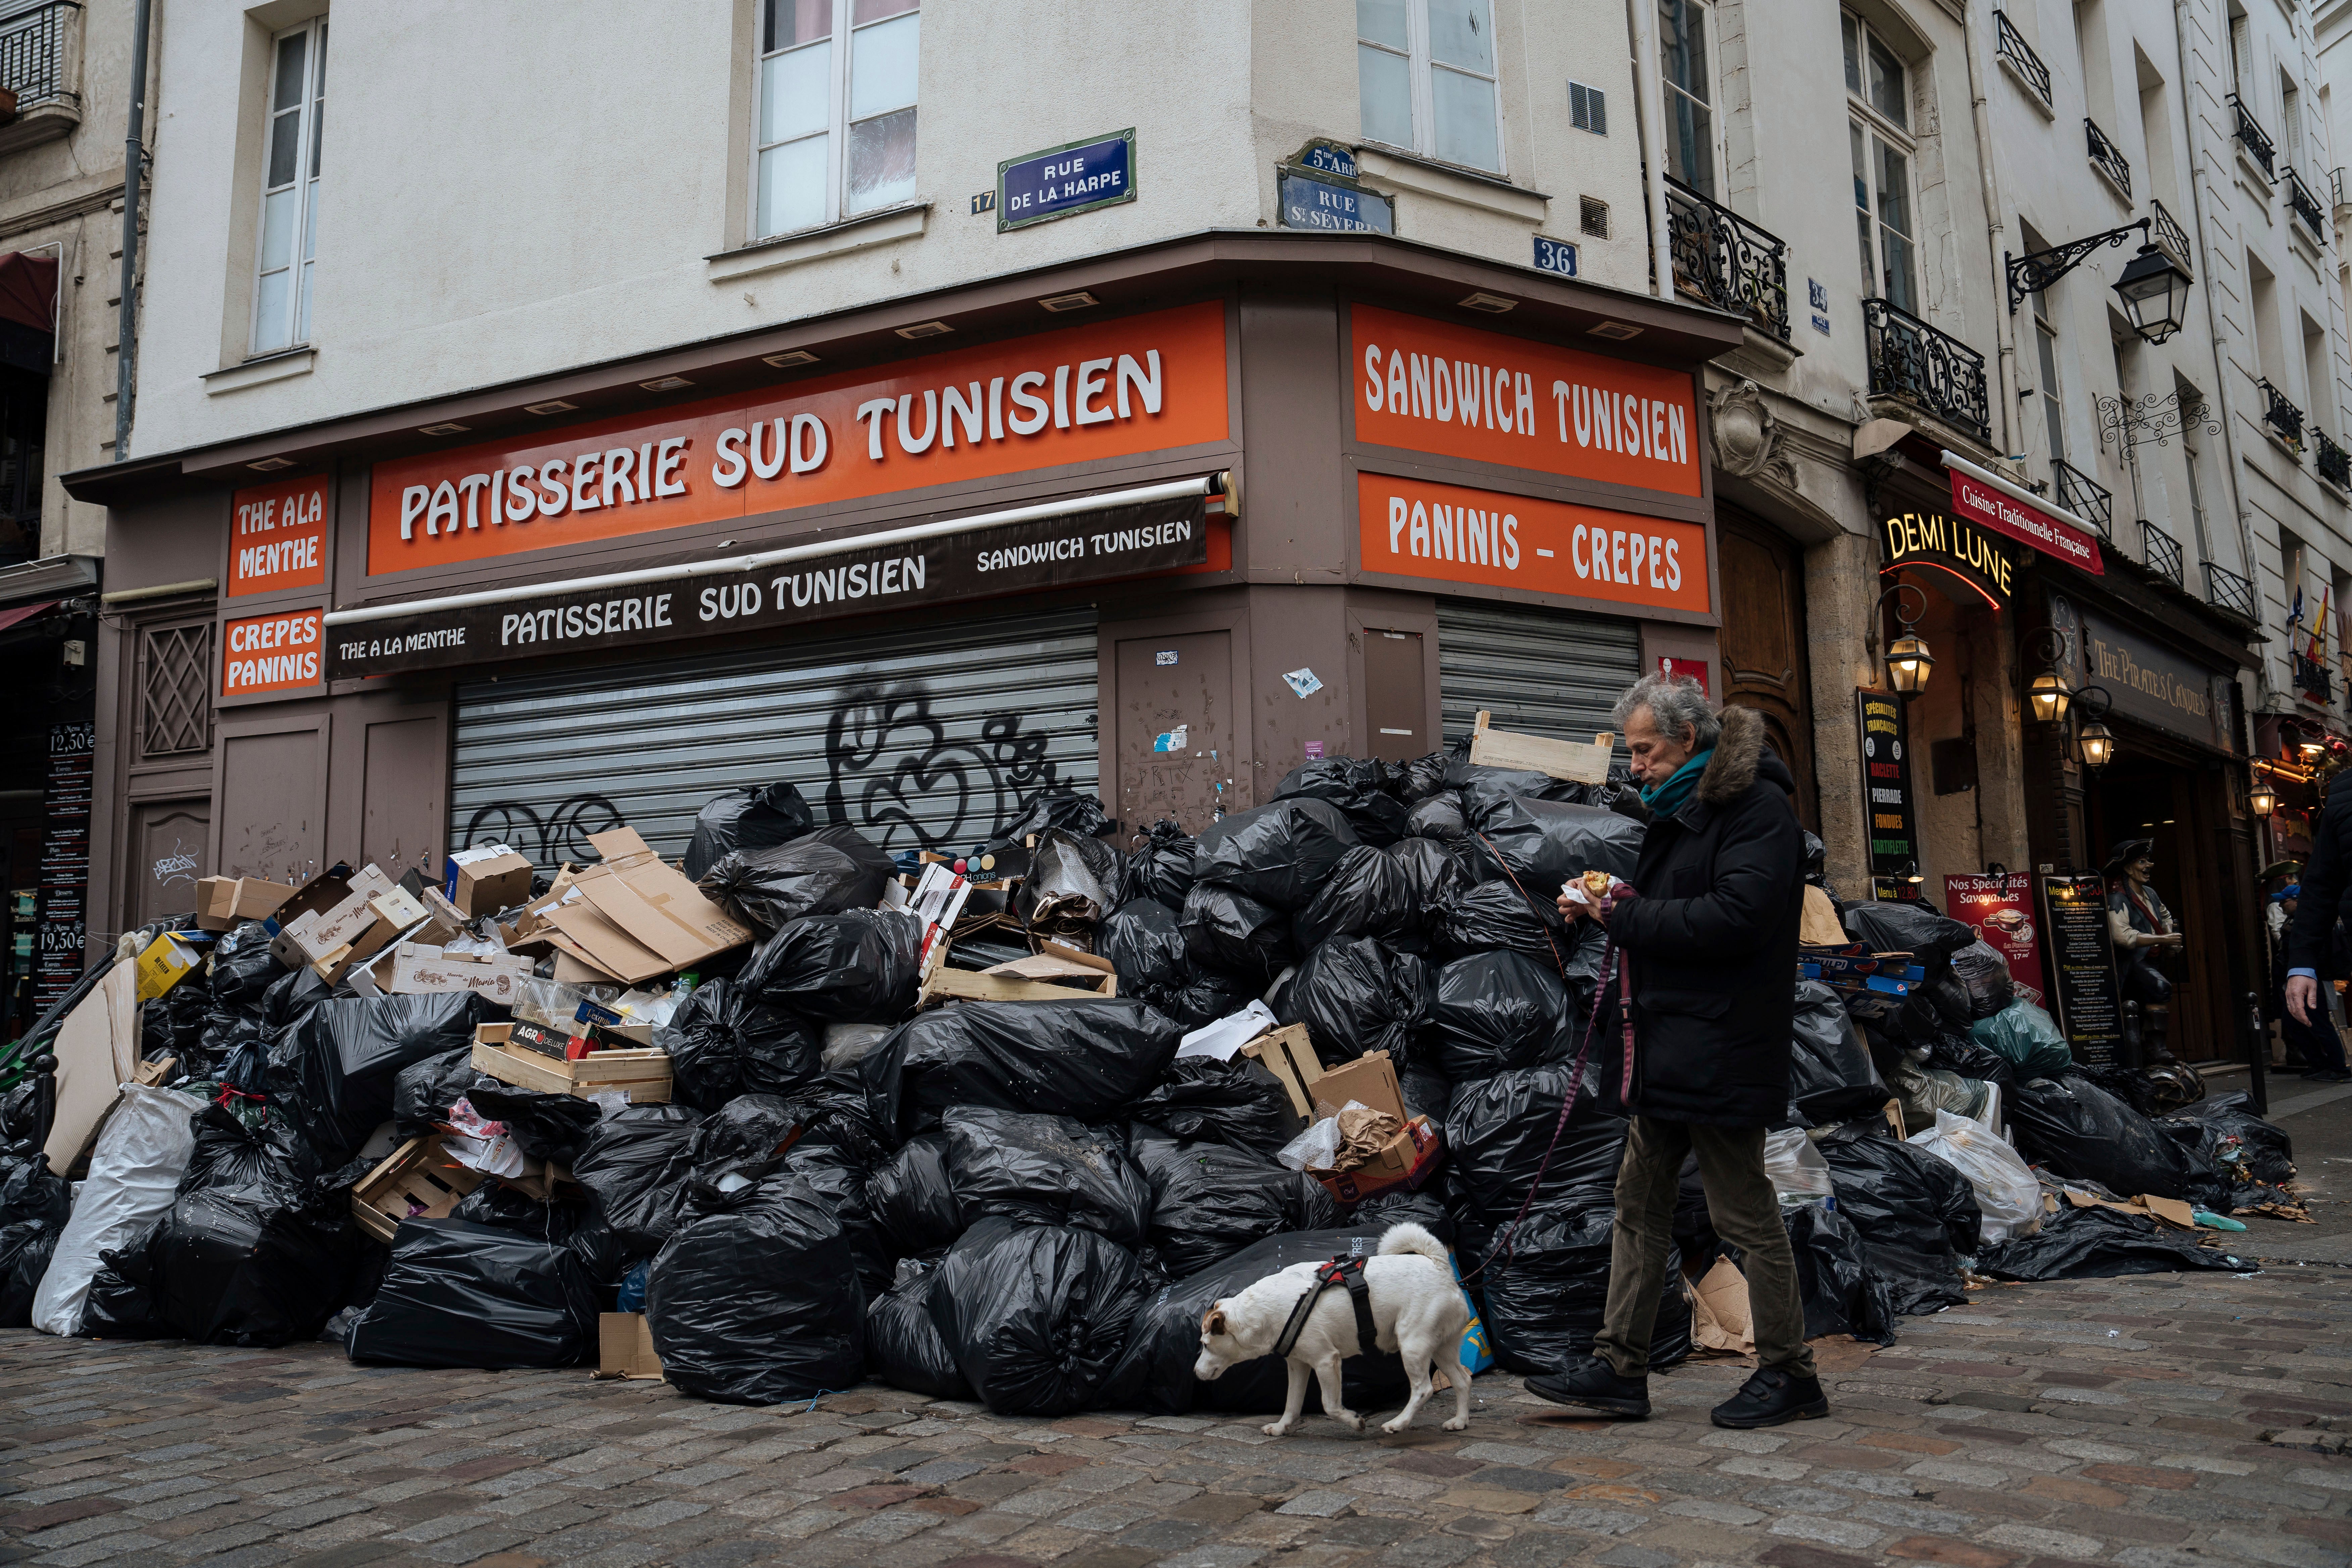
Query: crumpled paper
x=1335 y=1144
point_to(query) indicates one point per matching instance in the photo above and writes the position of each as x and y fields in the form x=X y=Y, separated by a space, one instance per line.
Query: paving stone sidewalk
x=2155 y=1422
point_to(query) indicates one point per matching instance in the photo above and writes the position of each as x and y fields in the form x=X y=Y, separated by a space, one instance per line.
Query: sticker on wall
x=1304 y=683
x=1166 y=655
x=1315 y=751
x=1172 y=739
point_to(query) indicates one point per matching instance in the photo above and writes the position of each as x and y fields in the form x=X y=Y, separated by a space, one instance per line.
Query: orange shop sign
x=271 y=653
x=1460 y=392
x=1409 y=528
x=278 y=536
x=1106 y=389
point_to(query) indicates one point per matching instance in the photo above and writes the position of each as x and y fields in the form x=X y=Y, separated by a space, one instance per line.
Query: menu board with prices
x=1886 y=786
x=1999 y=907
x=65 y=863
x=2082 y=954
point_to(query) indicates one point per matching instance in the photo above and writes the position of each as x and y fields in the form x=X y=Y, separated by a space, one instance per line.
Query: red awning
x=9 y=617
x=29 y=290
x=1992 y=502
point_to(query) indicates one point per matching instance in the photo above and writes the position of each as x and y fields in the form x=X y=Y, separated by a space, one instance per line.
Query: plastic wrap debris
x=333 y=1073
x=1358 y=787
x=2009 y=1199
x=1279 y=854
x=1369 y=894
x=1439 y=817
x=820 y=873
x=544 y=1126
x=1317 y=1148
x=635 y=1165
x=1045 y=1169
x=33 y=1205
x=1085 y=1059
x=1497 y=1133
x=2026 y=1037
x=1491 y=917
x=1888 y=926
x=1544 y=842
x=424 y=1091
x=903 y=1347
x=1356 y=996
x=757 y=1300
x=1209 y=1202
x=860 y=966
x=1544 y=1298
x=461 y=1295
x=1229 y=930
x=912 y=1200
x=482 y=1143
x=1236 y=1103
x=1797 y=1170
x=2101 y=1244
x=1073 y=882
x=1493 y=1012
x=846 y=1045
x=134 y=1172
x=1923 y=1092
x=755 y=817
x=1983 y=976
x=1082 y=814
x=1161 y=869
x=722 y=1042
x=1915 y=1214
x=2264 y=1153
x=1830 y=1075
x=2077 y=1129
x=1038 y=1316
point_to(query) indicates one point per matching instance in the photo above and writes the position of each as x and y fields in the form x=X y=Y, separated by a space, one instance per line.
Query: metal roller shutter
x=1538 y=671
x=929 y=737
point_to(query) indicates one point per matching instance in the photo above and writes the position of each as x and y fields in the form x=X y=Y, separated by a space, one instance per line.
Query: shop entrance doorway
x=2145 y=795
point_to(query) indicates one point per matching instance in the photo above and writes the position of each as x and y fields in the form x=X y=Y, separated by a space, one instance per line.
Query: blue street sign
x=1555 y=256
x=1062 y=180
x=1329 y=159
x=1313 y=203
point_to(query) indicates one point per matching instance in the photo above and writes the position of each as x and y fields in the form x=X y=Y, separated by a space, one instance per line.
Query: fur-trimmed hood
x=1740 y=758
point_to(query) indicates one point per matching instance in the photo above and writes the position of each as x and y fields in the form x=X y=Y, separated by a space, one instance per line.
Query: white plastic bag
x=1800 y=1174
x=1318 y=1148
x=143 y=1151
x=846 y=1045
x=2007 y=1193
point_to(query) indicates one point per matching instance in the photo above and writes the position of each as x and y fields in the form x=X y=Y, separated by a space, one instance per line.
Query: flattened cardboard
x=1410 y=1156
x=639 y=917
x=486 y=880
x=96 y=1049
x=419 y=969
x=624 y=1347
x=221 y=901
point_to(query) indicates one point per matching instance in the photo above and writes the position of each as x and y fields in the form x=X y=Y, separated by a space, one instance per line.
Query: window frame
x=1670 y=91
x=309 y=175
x=841 y=41
x=1421 y=72
x=1876 y=128
x=2049 y=363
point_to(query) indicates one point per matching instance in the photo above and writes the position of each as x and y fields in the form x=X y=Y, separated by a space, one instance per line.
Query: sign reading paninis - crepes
x=1015 y=558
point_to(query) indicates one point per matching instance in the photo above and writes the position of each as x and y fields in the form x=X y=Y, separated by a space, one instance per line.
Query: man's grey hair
x=1673 y=700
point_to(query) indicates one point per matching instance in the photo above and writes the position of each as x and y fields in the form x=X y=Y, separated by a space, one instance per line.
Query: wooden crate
x=1572 y=759
x=1290 y=1057
x=943 y=984
x=418 y=1181
x=644 y=1076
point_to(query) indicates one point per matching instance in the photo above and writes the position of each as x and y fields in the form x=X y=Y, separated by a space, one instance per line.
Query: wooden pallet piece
x=1290 y=1056
x=644 y=1076
x=417 y=1181
x=1573 y=760
x=943 y=983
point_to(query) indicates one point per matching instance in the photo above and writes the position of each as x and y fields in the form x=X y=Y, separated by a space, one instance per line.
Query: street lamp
x=2098 y=745
x=2154 y=287
x=2049 y=697
x=1908 y=662
x=2263 y=799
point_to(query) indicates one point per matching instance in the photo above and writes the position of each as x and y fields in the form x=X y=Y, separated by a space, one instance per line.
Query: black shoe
x=2328 y=1076
x=1593 y=1383
x=1771 y=1397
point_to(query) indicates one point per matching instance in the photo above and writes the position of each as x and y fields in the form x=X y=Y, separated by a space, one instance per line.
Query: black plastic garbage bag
x=1437 y=872
x=258 y=1265
x=423 y=1092
x=903 y=1347
x=1045 y=1169
x=1917 y=1214
x=1237 y=1103
x=461 y=1295
x=1162 y=866
x=545 y=1126
x=861 y=966
x=722 y=1042
x=1085 y=1059
x=837 y=1114
x=1038 y=1316
x=1209 y=1202
x=1144 y=944
x=755 y=817
x=1356 y=996
x=1358 y=787
x=1205 y=996
x=819 y=873
x=509 y=1208
x=1082 y=814
x=2077 y=1129
x=1482 y=788
x=758 y=1301
x=834 y=1172
x=1546 y=1288
x=242 y=968
x=34 y=1205
x=121 y=1301
x=1425 y=1091
x=1984 y=979
x=1543 y=843
x=745 y=1138
x=1888 y=926
x=1954 y=1052
x=1420 y=778
x=1279 y=854
x=1404 y=1205
x=1073 y=882
x=635 y=1165
x=1492 y=917
x=173 y=1024
x=334 y=1072
x=2101 y=1244
x=1495 y=1011
x=1831 y=1078
x=1230 y=931
x=1439 y=817
x=912 y=1200
x=1370 y=894
x=291 y=997
x=1496 y=1135
x=2264 y=1153
x=1842 y=1293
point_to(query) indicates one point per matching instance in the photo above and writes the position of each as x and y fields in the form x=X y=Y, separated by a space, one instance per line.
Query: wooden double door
x=1763 y=645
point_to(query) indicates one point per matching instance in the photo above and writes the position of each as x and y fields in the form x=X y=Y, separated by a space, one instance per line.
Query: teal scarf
x=1666 y=799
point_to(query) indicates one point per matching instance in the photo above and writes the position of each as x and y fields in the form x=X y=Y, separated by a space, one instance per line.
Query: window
x=2192 y=403
x=2048 y=390
x=1690 y=119
x=2291 y=118
x=1878 y=95
x=289 y=196
x=1588 y=109
x=837 y=132
x=1425 y=74
x=2318 y=386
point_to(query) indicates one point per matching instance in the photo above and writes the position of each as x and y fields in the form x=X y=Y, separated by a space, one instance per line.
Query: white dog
x=1417 y=1308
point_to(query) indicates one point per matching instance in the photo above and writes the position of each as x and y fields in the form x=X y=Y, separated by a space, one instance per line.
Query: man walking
x=1711 y=935
x=2310 y=936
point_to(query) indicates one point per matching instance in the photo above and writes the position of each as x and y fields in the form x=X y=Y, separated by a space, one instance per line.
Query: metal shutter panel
x=1538 y=671
x=927 y=736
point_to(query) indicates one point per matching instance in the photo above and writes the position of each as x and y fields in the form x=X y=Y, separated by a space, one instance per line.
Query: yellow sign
x=1955 y=546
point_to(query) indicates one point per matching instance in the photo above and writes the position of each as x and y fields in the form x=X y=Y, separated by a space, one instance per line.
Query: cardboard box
x=644 y=1076
x=164 y=962
x=486 y=878
x=312 y=934
x=1409 y=1159
x=1290 y=1057
x=419 y=969
x=625 y=1346
x=637 y=916
x=221 y=901
x=315 y=897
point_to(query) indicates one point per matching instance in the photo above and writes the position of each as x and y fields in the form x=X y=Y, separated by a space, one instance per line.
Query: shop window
x=175 y=711
x=1425 y=77
x=836 y=110
x=289 y=197
x=1878 y=95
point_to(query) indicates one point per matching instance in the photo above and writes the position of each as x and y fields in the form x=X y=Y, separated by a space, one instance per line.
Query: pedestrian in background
x=2307 y=1030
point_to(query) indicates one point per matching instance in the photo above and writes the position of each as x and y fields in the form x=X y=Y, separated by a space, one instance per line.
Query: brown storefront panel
x=1175 y=719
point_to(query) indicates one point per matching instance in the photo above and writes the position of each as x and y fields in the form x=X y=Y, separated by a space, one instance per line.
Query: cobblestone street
x=2151 y=1422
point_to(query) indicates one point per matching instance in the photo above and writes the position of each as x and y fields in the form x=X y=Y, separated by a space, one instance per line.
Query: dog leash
x=1346 y=1272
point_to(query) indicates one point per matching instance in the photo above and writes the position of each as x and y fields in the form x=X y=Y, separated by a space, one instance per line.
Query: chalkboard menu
x=2082 y=954
x=65 y=862
x=1886 y=786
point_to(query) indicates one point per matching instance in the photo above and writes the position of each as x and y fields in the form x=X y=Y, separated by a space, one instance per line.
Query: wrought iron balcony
x=2161 y=553
x=2225 y=590
x=2108 y=158
x=36 y=61
x=2334 y=463
x=1934 y=371
x=2311 y=679
x=2249 y=137
x=2285 y=418
x=1724 y=259
x=2169 y=236
x=2305 y=205
x=2010 y=46
x=2084 y=496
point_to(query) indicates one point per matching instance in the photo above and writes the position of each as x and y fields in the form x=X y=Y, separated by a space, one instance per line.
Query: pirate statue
x=2145 y=932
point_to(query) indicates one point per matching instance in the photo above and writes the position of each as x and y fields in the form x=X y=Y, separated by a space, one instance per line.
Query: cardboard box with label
x=165 y=961
x=636 y=917
x=419 y=969
x=221 y=901
x=486 y=878
x=1410 y=1158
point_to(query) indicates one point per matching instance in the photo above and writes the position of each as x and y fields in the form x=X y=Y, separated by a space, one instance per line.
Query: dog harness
x=1343 y=1272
